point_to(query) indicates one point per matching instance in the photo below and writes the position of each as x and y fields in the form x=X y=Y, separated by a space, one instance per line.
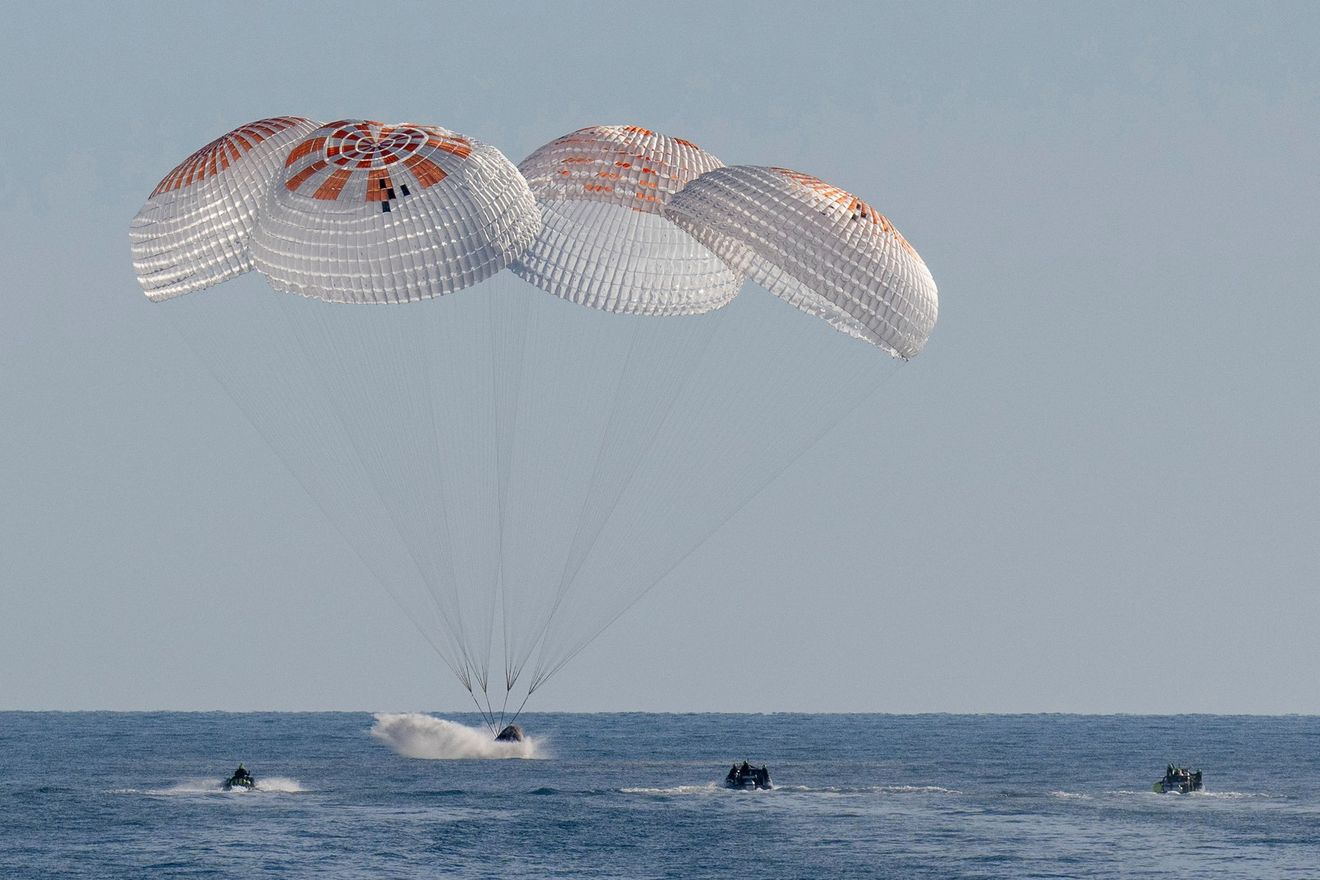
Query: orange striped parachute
x=516 y=469
x=194 y=230
x=365 y=212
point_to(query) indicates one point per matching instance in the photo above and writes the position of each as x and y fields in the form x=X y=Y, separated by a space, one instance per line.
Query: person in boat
x=733 y=774
x=241 y=774
x=746 y=768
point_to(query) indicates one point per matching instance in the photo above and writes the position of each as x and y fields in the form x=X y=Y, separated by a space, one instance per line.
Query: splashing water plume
x=415 y=735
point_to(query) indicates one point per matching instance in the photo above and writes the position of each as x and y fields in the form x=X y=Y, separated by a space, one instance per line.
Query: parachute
x=365 y=212
x=518 y=469
x=193 y=231
x=817 y=246
x=605 y=243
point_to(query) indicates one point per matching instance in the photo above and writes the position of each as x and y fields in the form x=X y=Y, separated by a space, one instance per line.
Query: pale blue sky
x=1116 y=419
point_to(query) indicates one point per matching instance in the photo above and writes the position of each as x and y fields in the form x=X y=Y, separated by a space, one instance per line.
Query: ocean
x=137 y=795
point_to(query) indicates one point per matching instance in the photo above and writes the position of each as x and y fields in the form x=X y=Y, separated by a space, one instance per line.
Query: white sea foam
x=715 y=787
x=280 y=784
x=415 y=735
x=868 y=789
x=917 y=789
x=1212 y=795
x=708 y=788
x=195 y=787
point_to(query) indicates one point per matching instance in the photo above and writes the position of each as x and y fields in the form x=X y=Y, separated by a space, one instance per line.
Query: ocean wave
x=426 y=737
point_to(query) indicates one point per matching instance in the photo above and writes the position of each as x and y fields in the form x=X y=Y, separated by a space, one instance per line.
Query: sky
x=1096 y=490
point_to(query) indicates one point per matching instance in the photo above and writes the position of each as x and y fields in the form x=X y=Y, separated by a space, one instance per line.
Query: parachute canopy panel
x=817 y=246
x=193 y=231
x=605 y=243
x=367 y=212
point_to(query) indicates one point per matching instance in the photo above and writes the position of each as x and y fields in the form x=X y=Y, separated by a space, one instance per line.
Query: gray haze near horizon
x=1098 y=489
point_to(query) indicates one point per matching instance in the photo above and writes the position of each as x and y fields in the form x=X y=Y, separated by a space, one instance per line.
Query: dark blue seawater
x=109 y=795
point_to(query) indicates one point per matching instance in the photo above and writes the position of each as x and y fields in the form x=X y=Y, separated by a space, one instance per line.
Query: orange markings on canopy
x=296 y=181
x=453 y=145
x=855 y=206
x=215 y=156
x=640 y=152
x=378 y=185
x=334 y=184
x=350 y=147
x=308 y=146
x=427 y=172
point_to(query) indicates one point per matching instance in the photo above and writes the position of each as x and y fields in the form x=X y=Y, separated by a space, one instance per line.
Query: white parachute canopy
x=605 y=244
x=515 y=469
x=817 y=246
x=366 y=212
x=193 y=231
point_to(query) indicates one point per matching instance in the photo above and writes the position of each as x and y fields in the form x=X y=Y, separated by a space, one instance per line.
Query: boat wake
x=426 y=737
x=717 y=788
x=708 y=788
x=198 y=787
x=1198 y=795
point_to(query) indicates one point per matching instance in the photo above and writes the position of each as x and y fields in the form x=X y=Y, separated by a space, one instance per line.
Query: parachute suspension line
x=378 y=395
x=504 y=707
x=570 y=394
x=262 y=431
x=486 y=718
x=432 y=315
x=655 y=427
x=454 y=350
x=803 y=449
x=733 y=429
x=514 y=718
x=559 y=364
x=652 y=428
x=595 y=472
x=507 y=356
x=491 y=489
x=523 y=427
x=354 y=349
